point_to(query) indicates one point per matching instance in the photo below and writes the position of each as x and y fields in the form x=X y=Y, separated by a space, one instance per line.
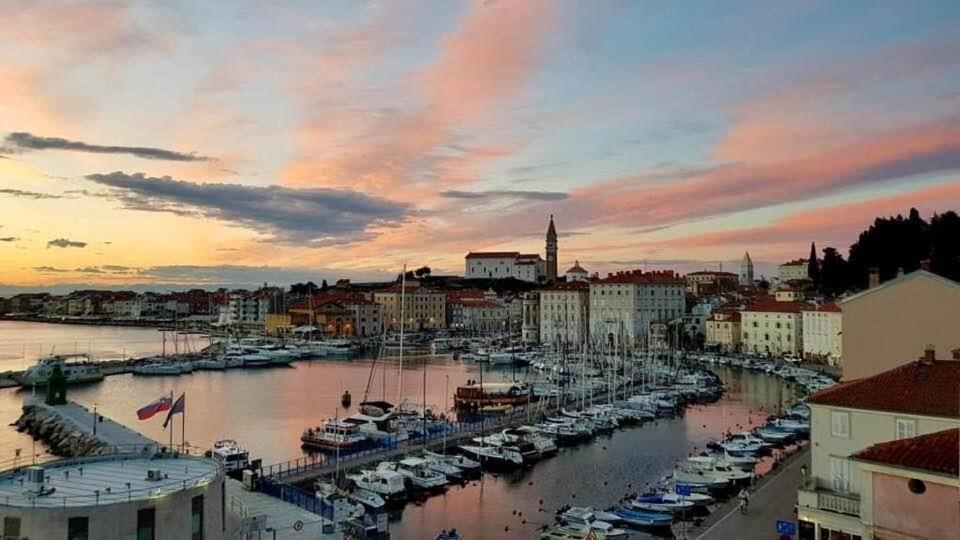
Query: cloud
x=26 y=141
x=89 y=270
x=50 y=269
x=9 y=239
x=505 y=194
x=64 y=243
x=29 y=194
x=317 y=216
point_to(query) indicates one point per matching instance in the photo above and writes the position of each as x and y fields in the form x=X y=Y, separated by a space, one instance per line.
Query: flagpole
x=171 y=423
x=183 y=425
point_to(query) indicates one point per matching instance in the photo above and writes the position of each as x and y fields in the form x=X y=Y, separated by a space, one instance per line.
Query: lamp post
x=94 y=418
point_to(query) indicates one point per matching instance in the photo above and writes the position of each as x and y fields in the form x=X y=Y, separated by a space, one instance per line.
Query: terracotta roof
x=534 y=256
x=713 y=273
x=934 y=452
x=828 y=306
x=725 y=316
x=771 y=305
x=928 y=389
x=492 y=254
x=639 y=277
x=569 y=286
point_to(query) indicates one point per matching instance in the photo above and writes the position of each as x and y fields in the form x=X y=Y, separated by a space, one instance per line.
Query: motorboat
x=390 y=485
x=584 y=520
x=697 y=480
x=787 y=424
x=775 y=436
x=563 y=433
x=643 y=519
x=442 y=466
x=525 y=448
x=698 y=499
x=417 y=472
x=659 y=503
x=334 y=434
x=231 y=455
x=712 y=468
x=560 y=532
x=600 y=529
x=77 y=368
x=545 y=446
x=160 y=368
x=465 y=464
x=341 y=348
x=573 y=512
x=338 y=501
x=494 y=456
x=368 y=499
x=210 y=364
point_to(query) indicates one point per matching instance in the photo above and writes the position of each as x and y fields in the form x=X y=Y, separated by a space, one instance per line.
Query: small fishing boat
x=417 y=472
x=658 y=503
x=389 y=485
x=643 y=519
x=334 y=434
x=469 y=467
x=494 y=456
x=442 y=466
x=228 y=452
x=368 y=499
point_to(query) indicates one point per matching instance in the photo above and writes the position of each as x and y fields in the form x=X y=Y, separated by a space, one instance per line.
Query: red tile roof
x=829 y=306
x=639 y=277
x=771 y=305
x=713 y=273
x=928 y=389
x=725 y=316
x=934 y=452
x=492 y=254
x=533 y=256
x=569 y=286
x=796 y=262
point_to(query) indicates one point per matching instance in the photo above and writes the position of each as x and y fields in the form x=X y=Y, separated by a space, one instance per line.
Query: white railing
x=840 y=503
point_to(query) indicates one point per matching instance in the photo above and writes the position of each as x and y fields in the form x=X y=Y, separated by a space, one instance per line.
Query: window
x=906 y=428
x=145 y=524
x=78 y=528
x=840 y=474
x=840 y=424
x=11 y=527
x=196 y=518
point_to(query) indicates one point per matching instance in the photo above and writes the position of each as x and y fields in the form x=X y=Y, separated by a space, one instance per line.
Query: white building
x=918 y=398
x=485 y=316
x=823 y=333
x=624 y=305
x=565 y=314
x=794 y=270
x=115 y=496
x=245 y=307
x=505 y=264
x=772 y=327
x=723 y=330
x=577 y=273
x=530 y=318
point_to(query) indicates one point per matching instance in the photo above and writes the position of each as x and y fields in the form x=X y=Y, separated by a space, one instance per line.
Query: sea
x=266 y=410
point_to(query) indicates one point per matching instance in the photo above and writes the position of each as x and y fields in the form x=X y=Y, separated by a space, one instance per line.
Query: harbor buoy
x=346 y=399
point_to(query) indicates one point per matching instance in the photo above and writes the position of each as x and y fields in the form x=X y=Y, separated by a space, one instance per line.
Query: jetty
x=73 y=430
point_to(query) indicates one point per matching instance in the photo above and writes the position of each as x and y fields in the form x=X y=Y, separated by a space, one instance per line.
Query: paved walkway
x=774 y=499
x=110 y=432
x=281 y=517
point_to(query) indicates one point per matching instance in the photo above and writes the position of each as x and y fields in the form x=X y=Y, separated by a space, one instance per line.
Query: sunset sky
x=242 y=142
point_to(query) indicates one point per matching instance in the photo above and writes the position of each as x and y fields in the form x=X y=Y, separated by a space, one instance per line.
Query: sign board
x=786 y=527
x=682 y=490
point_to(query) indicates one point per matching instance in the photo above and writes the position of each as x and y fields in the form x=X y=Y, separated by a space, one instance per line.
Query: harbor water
x=267 y=409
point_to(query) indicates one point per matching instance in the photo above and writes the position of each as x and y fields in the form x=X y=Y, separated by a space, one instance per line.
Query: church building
x=513 y=264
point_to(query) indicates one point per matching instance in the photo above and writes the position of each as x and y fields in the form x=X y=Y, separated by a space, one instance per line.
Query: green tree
x=834 y=273
x=813 y=267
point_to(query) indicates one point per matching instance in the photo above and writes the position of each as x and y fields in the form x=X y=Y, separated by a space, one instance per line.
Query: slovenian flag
x=178 y=407
x=150 y=409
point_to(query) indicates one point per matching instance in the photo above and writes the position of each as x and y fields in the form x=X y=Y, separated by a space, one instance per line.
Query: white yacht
x=161 y=368
x=582 y=520
x=78 y=368
x=465 y=464
x=233 y=456
x=497 y=456
x=334 y=434
x=417 y=471
x=442 y=466
x=388 y=484
x=368 y=499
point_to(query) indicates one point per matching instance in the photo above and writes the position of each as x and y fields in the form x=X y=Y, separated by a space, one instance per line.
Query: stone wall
x=62 y=435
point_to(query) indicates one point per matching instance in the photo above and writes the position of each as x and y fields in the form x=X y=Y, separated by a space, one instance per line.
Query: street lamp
x=94 y=418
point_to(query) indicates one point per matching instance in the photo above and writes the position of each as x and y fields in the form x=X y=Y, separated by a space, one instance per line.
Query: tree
x=834 y=273
x=303 y=288
x=813 y=268
x=945 y=245
x=422 y=271
x=324 y=286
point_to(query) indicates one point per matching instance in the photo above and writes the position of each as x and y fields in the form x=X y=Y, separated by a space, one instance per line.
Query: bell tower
x=551 y=251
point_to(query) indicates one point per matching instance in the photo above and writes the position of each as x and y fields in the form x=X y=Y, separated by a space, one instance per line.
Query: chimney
x=925 y=265
x=874 y=277
x=956 y=353
x=929 y=355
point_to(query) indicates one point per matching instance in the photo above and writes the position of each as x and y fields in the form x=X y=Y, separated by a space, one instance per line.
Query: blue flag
x=178 y=406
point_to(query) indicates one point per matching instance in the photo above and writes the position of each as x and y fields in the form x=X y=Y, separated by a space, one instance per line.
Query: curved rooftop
x=103 y=480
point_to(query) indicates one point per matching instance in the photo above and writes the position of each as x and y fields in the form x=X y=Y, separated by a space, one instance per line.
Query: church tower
x=551 y=251
x=746 y=270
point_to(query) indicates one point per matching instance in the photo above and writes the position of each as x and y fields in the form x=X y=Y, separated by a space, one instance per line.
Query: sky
x=245 y=142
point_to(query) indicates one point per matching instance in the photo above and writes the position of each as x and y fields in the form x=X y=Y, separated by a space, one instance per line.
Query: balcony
x=830 y=501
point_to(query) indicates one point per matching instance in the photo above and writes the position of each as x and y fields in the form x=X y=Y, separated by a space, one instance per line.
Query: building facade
x=530 y=323
x=422 y=308
x=885 y=324
x=623 y=306
x=577 y=273
x=918 y=398
x=505 y=264
x=711 y=282
x=772 y=327
x=823 y=333
x=565 y=314
x=723 y=331
x=116 y=496
x=794 y=270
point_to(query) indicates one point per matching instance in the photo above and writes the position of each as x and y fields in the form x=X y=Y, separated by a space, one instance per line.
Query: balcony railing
x=841 y=503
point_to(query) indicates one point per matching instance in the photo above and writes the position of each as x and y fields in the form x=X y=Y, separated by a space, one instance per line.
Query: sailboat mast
x=403 y=286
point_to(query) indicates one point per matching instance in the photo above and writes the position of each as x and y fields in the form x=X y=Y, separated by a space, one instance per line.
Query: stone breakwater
x=64 y=436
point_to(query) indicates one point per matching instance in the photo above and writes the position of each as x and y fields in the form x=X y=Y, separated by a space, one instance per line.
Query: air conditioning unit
x=154 y=475
x=34 y=478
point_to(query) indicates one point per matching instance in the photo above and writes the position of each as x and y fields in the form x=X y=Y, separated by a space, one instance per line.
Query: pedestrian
x=744 y=498
x=803 y=474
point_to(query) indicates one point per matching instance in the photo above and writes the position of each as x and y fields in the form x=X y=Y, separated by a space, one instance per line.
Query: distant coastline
x=140 y=323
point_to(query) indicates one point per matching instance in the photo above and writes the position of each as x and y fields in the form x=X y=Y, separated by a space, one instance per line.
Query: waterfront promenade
x=774 y=498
